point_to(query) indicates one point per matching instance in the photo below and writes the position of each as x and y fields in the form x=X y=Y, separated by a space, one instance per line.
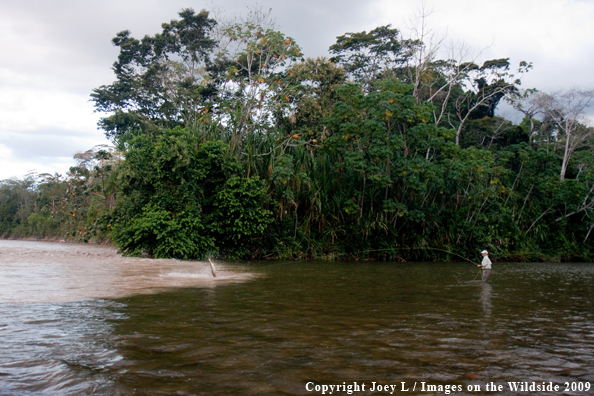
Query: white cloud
x=46 y=150
x=12 y=168
x=42 y=129
x=553 y=34
x=25 y=108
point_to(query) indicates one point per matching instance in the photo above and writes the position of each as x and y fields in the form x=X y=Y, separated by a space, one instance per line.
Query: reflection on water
x=486 y=290
x=300 y=322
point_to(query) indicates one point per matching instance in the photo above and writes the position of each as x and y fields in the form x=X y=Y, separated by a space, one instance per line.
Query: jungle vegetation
x=228 y=142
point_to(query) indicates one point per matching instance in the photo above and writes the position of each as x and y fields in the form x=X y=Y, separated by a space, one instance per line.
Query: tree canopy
x=235 y=144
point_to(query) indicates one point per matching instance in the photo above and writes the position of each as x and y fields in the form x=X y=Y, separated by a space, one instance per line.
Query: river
x=79 y=319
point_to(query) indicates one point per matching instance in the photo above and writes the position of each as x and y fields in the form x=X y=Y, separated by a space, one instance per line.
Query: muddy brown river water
x=37 y=272
x=81 y=320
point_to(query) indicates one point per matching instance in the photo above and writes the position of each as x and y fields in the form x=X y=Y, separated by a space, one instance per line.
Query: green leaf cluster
x=184 y=198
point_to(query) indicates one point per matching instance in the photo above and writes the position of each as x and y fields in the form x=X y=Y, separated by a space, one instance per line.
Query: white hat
x=484 y=251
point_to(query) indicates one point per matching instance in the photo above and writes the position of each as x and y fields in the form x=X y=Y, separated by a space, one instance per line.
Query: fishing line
x=430 y=248
x=388 y=249
x=443 y=250
x=417 y=248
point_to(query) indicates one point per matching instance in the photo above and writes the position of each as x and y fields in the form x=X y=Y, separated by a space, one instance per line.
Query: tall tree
x=161 y=80
x=253 y=81
x=567 y=109
x=367 y=56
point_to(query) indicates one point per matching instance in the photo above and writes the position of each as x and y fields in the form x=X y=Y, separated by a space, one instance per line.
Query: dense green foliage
x=182 y=198
x=241 y=148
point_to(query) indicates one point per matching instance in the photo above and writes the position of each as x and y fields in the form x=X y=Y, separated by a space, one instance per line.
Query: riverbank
x=396 y=254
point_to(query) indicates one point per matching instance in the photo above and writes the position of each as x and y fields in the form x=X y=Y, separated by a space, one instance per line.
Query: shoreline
x=330 y=257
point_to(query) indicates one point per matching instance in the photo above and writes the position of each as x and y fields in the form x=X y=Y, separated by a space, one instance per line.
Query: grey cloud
x=46 y=143
x=67 y=43
x=314 y=24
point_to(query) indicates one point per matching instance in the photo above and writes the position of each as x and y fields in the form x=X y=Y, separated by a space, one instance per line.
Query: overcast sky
x=53 y=53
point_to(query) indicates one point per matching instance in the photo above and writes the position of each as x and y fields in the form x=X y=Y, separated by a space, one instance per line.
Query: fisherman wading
x=485 y=265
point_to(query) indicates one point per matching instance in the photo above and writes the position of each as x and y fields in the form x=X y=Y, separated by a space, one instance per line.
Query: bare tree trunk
x=362 y=198
x=567 y=110
x=565 y=156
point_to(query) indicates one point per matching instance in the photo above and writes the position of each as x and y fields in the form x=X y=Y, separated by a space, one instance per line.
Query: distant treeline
x=229 y=143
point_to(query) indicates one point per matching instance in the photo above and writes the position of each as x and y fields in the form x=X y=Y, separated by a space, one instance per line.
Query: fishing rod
x=401 y=248
x=418 y=248
x=430 y=248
